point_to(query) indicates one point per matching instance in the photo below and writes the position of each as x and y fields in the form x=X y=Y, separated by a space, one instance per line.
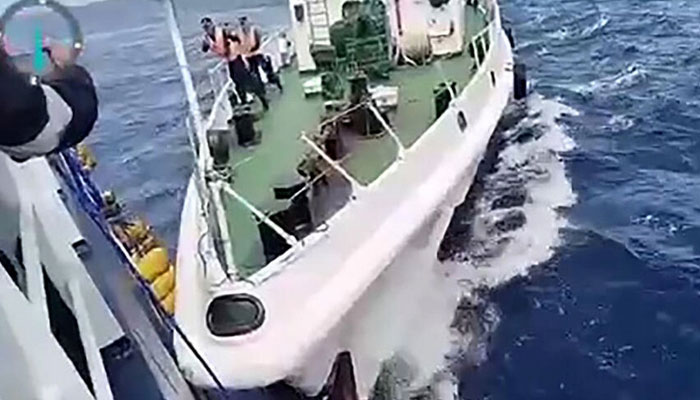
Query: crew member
x=259 y=63
x=229 y=45
x=38 y=116
x=285 y=49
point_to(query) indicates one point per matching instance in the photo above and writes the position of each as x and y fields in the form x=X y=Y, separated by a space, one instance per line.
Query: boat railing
x=481 y=44
x=343 y=163
x=50 y=244
x=221 y=112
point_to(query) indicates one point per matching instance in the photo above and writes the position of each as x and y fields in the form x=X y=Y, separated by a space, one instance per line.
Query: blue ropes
x=90 y=200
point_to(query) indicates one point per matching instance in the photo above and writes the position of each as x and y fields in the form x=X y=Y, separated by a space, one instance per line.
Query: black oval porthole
x=234 y=314
x=493 y=79
x=299 y=12
x=461 y=121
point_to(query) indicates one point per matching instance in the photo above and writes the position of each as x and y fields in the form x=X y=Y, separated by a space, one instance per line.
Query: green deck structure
x=257 y=169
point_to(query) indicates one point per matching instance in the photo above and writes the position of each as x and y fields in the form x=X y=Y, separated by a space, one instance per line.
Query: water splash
x=509 y=222
x=632 y=75
x=514 y=222
x=599 y=25
x=516 y=219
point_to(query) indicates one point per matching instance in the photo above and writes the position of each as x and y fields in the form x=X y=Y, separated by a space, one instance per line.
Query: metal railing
x=222 y=85
x=45 y=233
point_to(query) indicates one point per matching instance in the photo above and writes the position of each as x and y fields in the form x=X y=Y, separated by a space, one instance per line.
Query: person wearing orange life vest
x=259 y=62
x=229 y=45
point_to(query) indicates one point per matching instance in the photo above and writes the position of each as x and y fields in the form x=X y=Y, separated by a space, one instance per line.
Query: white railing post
x=30 y=256
x=98 y=374
x=331 y=162
x=291 y=240
x=390 y=130
x=222 y=222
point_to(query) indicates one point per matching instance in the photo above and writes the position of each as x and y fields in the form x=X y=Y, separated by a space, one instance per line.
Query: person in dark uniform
x=41 y=115
x=229 y=45
x=272 y=76
x=38 y=116
x=259 y=63
x=243 y=73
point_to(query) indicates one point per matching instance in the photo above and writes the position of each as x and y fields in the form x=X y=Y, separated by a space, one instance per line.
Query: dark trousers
x=263 y=62
x=246 y=81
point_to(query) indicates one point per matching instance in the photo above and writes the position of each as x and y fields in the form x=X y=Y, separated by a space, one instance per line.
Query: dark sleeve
x=23 y=112
x=206 y=44
x=76 y=88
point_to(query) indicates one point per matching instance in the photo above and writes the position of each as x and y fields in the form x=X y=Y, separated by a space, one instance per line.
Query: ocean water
x=577 y=249
x=612 y=312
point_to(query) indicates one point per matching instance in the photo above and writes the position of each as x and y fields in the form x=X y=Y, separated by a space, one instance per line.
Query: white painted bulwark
x=33 y=365
x=56 y=233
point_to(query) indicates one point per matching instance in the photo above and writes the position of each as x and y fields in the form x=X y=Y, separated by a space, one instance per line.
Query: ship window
x=234 y=314
x=480 y=54
x=461 y=120
x=493 y=79
x=299 y=12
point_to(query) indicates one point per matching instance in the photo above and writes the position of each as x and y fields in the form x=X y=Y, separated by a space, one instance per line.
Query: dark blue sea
x=582 y=234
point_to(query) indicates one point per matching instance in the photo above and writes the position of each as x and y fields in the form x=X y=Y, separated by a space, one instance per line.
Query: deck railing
x=221 y=84
x=49 y=240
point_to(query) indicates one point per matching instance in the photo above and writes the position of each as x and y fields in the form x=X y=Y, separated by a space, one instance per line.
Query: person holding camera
x=38 y=116
x=42 y=115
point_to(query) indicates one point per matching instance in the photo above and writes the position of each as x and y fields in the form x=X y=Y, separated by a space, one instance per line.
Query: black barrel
x=219 y=142
x=442 y=95
x=243 y=120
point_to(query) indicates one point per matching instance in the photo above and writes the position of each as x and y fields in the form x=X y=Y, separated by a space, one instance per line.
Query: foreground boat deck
x=275 y=159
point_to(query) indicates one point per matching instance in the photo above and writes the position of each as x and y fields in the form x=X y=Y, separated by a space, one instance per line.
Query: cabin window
x=461 y=120
x=493 y=79
x=299 y=13
x=234 y=314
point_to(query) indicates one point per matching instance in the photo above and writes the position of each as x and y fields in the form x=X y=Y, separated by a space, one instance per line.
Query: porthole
x=234 y=314
x=461 y=120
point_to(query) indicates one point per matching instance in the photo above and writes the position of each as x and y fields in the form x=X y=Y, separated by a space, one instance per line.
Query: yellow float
x=148 y=253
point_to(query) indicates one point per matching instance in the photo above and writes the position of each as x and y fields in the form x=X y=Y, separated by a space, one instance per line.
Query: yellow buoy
x=144 y=248
x=87 y=159
x=168 y=303
x=164 y=284
x=154 y=263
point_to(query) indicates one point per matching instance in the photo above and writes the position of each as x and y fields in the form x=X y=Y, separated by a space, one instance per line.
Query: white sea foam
x=601 y=23
x=633 y=74
x=438 y=319
x=537 y=165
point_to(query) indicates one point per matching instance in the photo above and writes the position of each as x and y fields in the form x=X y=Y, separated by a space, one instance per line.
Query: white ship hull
x=315 y=294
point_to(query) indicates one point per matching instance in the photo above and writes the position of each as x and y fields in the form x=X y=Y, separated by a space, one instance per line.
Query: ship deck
x=257 y=169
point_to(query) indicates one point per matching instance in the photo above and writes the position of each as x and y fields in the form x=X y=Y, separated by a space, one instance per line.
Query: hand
x=60 y=54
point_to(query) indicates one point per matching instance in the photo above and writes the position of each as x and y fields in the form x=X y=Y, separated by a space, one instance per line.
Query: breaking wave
x=509 y=222
x=511 y=219
x=633 y=75
x=599 y=25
